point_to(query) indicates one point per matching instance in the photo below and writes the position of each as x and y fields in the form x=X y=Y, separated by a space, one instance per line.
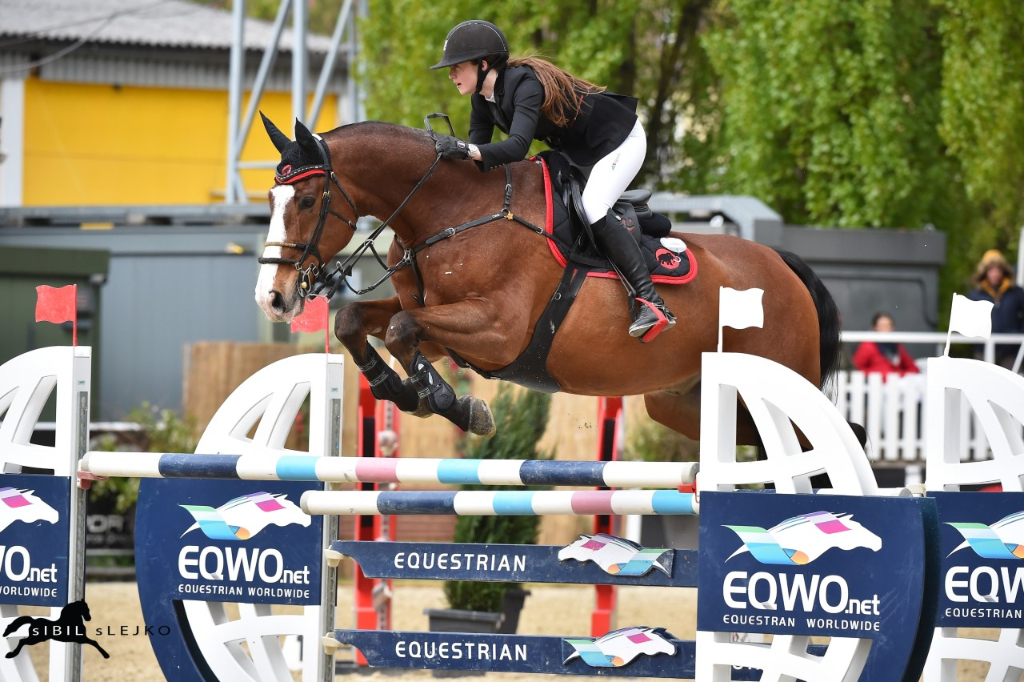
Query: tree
x=831 y=112
x=983 y=112
x=856 y=113
x=644 y=48
x=401 y=39
x=677 y=86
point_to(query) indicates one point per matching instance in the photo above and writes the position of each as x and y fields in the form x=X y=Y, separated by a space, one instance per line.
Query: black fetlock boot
x=651 y=317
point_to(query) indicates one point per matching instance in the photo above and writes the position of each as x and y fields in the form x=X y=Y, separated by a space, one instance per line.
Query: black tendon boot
x=651 y=317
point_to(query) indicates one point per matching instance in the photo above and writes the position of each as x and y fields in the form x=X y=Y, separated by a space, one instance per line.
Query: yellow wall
x=99 y=144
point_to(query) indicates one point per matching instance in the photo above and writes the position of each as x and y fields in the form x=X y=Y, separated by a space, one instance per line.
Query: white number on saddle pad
x=673 y=244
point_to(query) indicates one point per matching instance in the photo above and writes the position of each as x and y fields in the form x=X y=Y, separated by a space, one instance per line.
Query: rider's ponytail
x=562 y=90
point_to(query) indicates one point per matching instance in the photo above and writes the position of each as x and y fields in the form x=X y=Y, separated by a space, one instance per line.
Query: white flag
x=740 y=309
x=971 y=318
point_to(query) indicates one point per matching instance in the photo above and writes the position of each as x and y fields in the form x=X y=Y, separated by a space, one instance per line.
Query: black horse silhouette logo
x=667 y=259
x=68 y=627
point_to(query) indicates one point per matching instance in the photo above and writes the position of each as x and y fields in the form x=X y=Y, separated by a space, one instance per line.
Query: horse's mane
x=379 y=127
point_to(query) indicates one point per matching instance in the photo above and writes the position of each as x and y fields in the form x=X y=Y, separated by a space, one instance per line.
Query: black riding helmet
x=472 y=41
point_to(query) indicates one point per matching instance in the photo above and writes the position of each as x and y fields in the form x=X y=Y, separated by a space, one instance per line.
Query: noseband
x=313 y=273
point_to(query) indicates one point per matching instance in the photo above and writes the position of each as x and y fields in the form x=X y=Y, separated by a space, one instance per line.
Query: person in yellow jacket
x=995 y=283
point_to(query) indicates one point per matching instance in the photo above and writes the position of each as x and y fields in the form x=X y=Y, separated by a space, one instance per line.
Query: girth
x=530 y=368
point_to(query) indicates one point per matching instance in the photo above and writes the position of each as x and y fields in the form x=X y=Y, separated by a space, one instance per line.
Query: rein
x=326 y=285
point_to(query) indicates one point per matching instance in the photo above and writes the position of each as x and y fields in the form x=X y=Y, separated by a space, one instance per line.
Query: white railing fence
x=892 y=409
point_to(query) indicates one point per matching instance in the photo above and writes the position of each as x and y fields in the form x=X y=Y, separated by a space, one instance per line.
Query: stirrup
x=651 y=320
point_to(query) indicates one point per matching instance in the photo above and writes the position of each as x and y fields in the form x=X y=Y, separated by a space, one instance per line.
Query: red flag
x=315 y=316
x=57 y=306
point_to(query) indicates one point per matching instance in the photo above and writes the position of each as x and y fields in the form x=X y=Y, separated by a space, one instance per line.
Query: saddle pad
x=668 y=259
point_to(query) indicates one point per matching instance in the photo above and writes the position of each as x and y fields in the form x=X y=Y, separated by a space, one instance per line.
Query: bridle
x=313 y=273
x=314 y=280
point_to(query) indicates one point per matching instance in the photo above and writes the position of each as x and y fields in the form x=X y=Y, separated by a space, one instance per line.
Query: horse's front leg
x=16 y=650
x=469 y=327
x=352 y=325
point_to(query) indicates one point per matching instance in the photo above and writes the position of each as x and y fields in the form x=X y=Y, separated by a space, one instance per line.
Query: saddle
x=667 y=258
x=568 y=181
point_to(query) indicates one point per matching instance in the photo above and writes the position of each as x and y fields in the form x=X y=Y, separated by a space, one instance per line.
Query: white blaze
x=282 y=196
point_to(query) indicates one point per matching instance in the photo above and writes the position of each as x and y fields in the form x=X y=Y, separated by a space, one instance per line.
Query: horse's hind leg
x=352 y=325
x=96 y=644
x=680 y=411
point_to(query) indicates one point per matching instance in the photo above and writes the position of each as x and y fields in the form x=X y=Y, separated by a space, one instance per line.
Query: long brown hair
x=562 y=90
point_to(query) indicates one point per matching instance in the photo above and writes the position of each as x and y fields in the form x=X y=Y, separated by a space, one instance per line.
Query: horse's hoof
x=481 y=423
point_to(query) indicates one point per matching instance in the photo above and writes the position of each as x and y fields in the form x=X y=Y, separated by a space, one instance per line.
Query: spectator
x=995 y=284
x=883 y=357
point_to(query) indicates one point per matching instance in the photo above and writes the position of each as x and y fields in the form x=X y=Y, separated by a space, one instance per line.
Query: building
x=125 y=102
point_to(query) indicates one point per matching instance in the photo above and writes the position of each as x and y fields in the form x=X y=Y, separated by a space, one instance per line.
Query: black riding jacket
x=603 y=122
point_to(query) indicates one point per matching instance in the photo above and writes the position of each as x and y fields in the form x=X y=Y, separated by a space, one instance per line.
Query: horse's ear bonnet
x=299 y=159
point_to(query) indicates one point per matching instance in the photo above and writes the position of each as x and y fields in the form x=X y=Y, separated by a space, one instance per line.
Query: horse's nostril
x=277 y=301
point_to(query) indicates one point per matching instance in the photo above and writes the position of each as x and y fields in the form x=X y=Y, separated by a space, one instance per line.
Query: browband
x=289 y=176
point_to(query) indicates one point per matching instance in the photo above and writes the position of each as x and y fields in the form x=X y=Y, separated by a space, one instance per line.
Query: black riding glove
x=451 y=147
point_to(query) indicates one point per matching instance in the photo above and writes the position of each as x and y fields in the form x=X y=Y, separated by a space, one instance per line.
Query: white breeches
x=611 y=175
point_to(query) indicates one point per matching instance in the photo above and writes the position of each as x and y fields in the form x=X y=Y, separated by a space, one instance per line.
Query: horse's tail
x=828 y=317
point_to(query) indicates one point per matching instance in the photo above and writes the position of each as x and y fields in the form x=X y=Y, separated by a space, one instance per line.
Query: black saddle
x=567 y=181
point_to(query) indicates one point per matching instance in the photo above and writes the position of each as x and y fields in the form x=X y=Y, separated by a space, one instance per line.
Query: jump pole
x=666 y=475
x=501 y=503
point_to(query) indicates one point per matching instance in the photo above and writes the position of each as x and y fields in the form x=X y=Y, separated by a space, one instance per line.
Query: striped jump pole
x=500 y=503
x=663 y=475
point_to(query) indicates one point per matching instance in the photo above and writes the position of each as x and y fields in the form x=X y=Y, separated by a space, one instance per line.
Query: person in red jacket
x=878 y=356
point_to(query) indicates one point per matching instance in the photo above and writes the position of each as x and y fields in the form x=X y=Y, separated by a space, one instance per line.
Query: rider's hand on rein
x=451 y=147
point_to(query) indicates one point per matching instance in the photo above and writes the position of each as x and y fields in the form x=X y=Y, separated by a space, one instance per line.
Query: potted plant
x=520 y=417
x=112 y=501
x=652 y=442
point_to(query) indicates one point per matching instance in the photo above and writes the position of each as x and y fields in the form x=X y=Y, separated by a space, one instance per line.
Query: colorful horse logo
x=618 y=648
x=68 y=627
x=244 y=517
x=17 y=504
x=802 y=539
x=1004 y=539
x=616 y=556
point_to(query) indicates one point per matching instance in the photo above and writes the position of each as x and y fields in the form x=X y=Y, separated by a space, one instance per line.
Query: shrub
x=520 y=418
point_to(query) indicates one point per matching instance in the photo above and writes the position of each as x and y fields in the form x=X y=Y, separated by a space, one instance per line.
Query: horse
x=68 y=627
x=476 y=293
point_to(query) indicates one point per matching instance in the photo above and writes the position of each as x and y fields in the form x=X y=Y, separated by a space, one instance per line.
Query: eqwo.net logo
x=802 y=539
x=246 y=516
x=1004 y=539
x=17 y=504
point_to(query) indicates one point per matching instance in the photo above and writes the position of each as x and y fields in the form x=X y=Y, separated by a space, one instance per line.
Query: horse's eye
x=306 y=203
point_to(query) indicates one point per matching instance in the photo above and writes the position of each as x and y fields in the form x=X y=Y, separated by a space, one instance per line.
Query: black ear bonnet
x=301 y=158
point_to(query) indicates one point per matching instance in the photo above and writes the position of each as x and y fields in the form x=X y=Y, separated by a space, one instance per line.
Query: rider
x=530 y=98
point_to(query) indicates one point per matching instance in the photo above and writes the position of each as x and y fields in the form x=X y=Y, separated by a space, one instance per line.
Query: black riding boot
x=622 y=250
